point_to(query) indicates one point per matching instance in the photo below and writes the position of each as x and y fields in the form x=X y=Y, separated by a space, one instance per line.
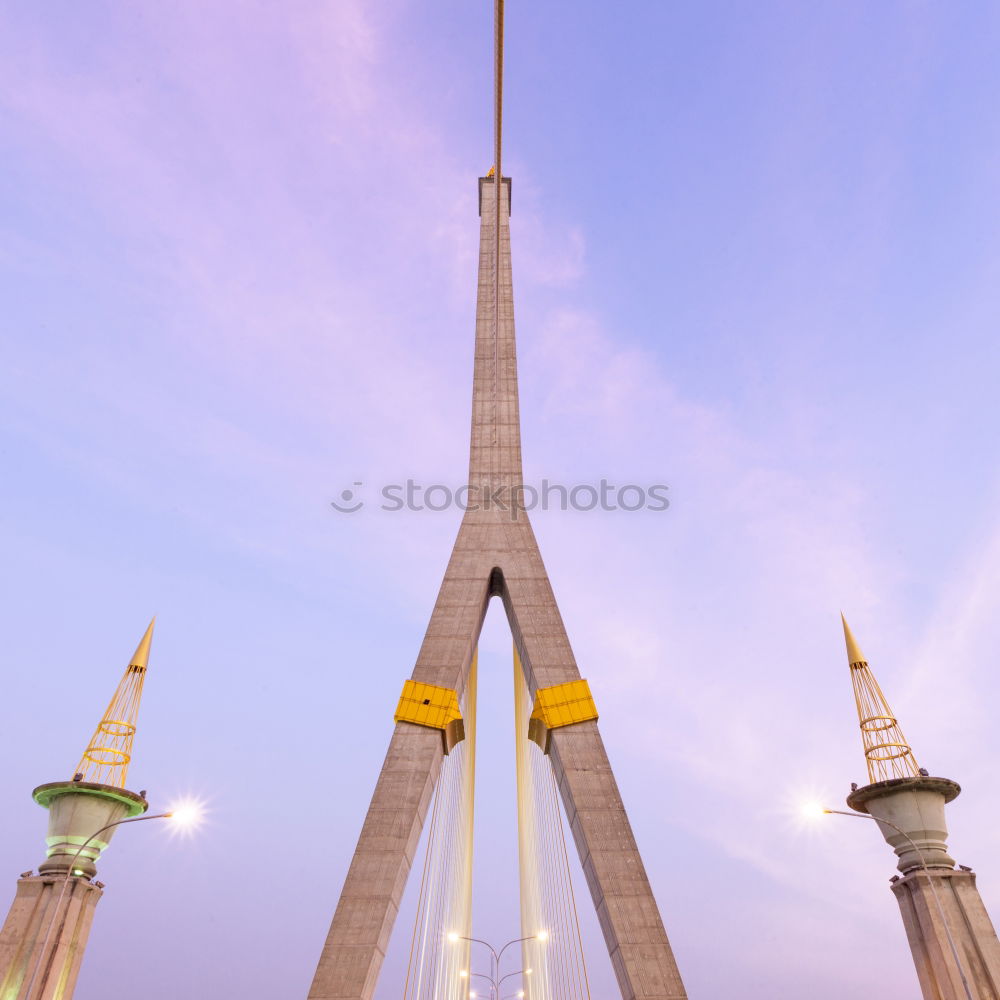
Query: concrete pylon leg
x=355 y=946
x=630 y=919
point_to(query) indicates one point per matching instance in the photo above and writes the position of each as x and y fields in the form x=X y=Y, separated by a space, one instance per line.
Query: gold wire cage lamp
x=887 y=753
x=109 y=752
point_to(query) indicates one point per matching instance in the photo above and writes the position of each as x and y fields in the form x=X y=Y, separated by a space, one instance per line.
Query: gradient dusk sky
x=756 y=257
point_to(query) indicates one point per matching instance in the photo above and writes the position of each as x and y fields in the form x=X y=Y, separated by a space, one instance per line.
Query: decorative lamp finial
x=887 y=753
x=109 y=752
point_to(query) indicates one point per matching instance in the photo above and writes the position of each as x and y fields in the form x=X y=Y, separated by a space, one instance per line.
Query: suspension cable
x=547 y=899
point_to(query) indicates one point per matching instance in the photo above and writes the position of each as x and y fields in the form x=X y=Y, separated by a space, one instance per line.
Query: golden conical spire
x=886 y=751
x=854 y=654
x=107 y=757
x=140 y=658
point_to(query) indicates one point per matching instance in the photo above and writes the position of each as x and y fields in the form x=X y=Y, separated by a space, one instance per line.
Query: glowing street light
x=465 y=974
x=812 y=810
x=186 y=815
x=494 y=977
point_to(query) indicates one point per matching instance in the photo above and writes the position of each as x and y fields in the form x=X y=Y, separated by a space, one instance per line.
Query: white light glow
x=812 y=810
x=186 y=815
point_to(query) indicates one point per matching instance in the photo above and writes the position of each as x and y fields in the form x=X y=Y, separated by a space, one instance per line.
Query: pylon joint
x=558 y=706
x=433 y=707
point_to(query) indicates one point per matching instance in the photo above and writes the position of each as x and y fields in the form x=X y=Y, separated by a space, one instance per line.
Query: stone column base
x=970 y=926
x=23 y=948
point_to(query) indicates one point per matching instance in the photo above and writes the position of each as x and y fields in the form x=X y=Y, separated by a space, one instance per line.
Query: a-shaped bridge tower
x=495 y=555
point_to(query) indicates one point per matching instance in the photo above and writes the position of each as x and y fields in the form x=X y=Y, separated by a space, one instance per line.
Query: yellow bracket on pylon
x=433 y=707
x=560 y=705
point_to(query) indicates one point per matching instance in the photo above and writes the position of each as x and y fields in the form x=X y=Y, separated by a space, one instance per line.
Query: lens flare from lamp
x=542 y=935
x=186 y=815
x=453 y=936
x=812 y=810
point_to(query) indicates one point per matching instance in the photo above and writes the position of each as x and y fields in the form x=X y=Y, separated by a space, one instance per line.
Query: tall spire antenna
x=498 y=11
x=109 y=751
x=887 y=753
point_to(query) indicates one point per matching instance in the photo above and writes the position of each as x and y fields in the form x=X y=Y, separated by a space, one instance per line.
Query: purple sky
x=757 y=258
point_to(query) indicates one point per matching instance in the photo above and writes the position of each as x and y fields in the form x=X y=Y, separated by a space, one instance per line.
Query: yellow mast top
x=109 y=752
x=887 y=753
